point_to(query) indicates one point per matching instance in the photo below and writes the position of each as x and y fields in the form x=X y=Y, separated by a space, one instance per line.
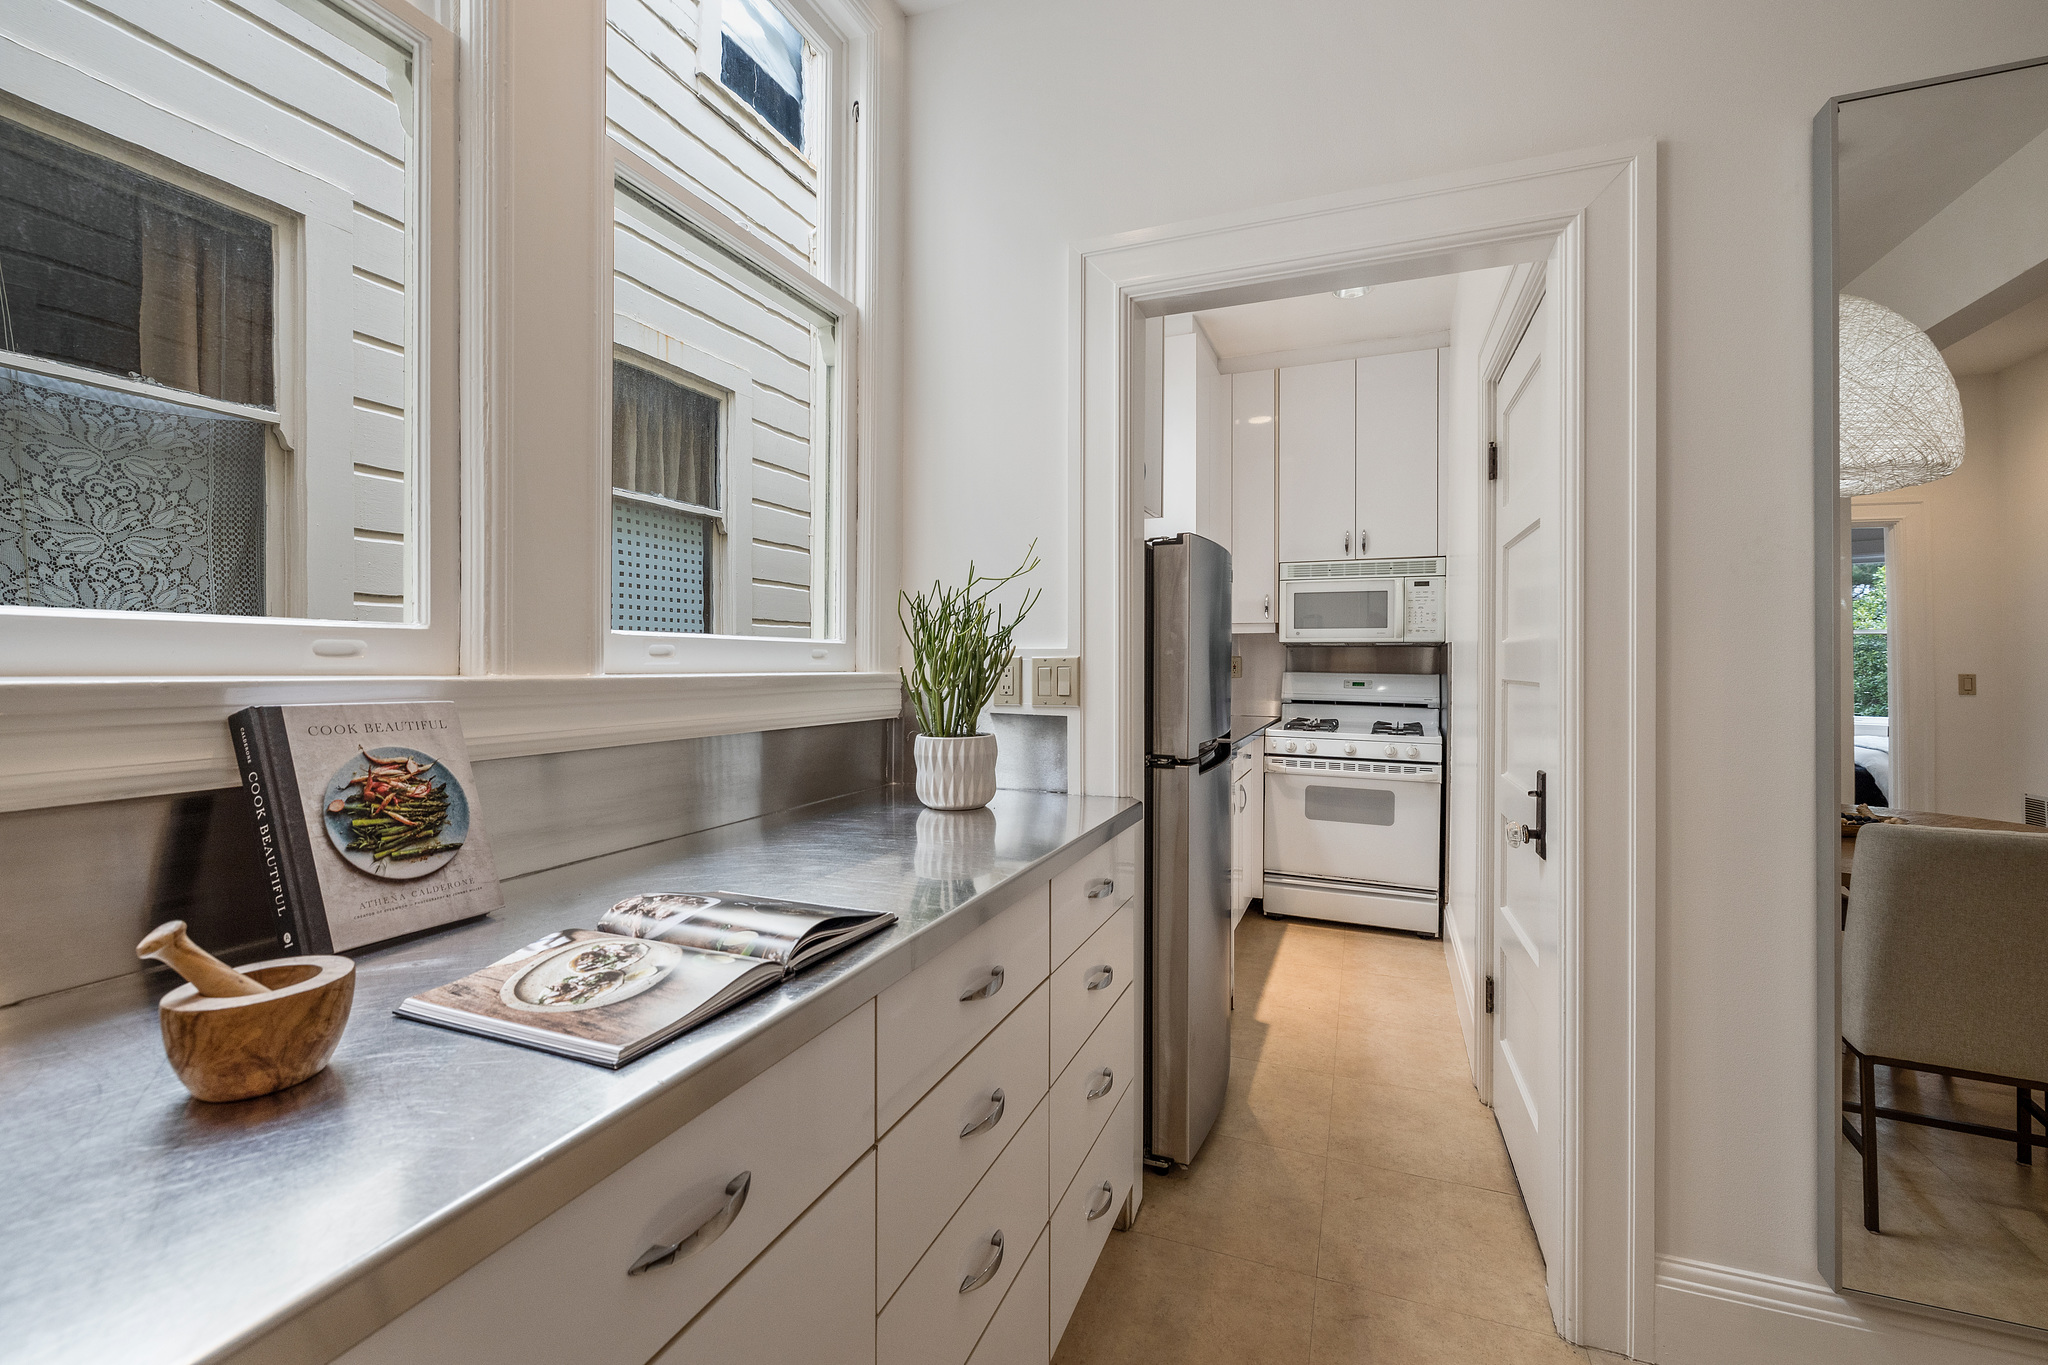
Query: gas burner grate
x=1311 y=723
x=1387 y=727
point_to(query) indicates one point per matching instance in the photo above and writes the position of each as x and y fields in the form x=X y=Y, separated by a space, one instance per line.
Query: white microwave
x=1362 y=601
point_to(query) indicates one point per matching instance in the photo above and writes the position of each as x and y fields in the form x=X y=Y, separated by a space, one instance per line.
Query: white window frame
x=833 y=530
x=313 y=312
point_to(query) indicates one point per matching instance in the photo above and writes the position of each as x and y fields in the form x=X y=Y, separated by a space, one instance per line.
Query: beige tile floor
x=1354 y=1204
x=1964 y=1225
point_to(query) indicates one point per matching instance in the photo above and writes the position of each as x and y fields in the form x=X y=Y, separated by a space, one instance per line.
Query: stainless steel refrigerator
x=1187 y=808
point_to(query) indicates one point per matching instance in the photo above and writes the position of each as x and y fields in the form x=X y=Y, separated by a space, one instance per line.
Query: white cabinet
x=1357 y=459
x=1397 y=454
x=1318 y=460
x=1194 y=424
x=1247 y=830
x=1255 y=590
x=803 y=1302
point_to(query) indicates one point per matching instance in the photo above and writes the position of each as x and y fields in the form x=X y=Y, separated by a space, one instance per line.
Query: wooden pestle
x=168 y=944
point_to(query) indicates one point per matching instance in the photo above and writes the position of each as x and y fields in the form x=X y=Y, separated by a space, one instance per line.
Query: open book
x=654 y=966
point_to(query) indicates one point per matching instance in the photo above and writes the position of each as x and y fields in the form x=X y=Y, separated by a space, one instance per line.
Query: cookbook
x=366 y=820
x=653 y=967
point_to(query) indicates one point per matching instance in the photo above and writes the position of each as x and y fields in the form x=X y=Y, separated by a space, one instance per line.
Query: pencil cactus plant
x=960 y=647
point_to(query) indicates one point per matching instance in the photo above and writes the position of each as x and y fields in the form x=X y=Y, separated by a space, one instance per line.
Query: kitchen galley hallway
x=1355 y=1202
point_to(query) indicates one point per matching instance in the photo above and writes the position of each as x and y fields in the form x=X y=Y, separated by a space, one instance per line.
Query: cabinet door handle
x=988 y=1271
x=1269 y=606
x=1096 y=983
x=986 y=988
x=705 y=1233
x=988 y=1120
x=1347 y=542
x=1108 y=1193
x=1105 y=887
x=1096 y=1092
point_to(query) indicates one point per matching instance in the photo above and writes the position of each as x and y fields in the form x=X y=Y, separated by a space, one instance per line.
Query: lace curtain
x=122 y=503
x=664 y=438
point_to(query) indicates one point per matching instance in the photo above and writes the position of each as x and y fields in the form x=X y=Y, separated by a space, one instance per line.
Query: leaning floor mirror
x=1931 y=589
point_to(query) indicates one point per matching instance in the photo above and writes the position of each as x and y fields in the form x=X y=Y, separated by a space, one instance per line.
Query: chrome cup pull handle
x=1096 y=1092
x=1108 y=1194
x=986 y=988
x=1095 y=982
x=1105 y=887
x=988 y=1271
x=989 y=1120
x=705 y=1233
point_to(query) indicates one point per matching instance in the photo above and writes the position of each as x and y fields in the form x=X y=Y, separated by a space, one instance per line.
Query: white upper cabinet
x=1397 y=404
x=1195 y=447
x=1318 y=457
x=1255 y=590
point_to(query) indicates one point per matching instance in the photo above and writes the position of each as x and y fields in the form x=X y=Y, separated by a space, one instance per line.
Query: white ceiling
x=1409 y=308
x=2019 y=334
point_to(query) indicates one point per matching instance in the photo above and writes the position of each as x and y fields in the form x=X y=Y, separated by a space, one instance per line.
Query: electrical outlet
x=1010 y=688
x=1237 y=665
x=1056 y=682
x=1966 y=684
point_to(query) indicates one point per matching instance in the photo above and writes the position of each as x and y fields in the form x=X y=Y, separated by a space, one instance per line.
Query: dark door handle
x=1540 y=831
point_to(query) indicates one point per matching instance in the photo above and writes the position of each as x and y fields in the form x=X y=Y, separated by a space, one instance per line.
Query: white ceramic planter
x=956 y=772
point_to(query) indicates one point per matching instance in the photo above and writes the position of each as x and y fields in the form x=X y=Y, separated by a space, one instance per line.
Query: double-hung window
x=215 y=350
x=729 y=427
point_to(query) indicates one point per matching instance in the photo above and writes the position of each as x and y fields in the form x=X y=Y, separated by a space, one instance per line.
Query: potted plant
x=960 y=648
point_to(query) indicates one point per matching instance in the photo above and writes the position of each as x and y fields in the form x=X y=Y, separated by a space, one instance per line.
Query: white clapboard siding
x=781 y=488
x=777 y=604
x=705 y=310
x=261 y=74
x=777 y=526
x=658 y=103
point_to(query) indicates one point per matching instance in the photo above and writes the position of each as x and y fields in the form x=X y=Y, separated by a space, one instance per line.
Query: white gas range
x=1354 y=800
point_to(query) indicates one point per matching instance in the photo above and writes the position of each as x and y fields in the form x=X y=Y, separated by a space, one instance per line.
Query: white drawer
x=795 y=1128
x=1099 y=1190
x=809 y=1300
x=1020 y=1332
x=934 y=1319
x=1089 y=982
x=1090 y=891
x=924 y=1026
x=929 y=1161
x=1108 y=1062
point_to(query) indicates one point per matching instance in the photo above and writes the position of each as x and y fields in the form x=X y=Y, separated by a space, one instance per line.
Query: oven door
x=1346 y=823
x=1343 y=611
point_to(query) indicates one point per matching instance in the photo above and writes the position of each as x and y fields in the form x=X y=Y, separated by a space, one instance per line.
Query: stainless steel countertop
x=141 y=1226
x=1245 y=729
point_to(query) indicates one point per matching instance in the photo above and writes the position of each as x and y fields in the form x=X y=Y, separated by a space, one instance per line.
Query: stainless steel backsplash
x=79 y=885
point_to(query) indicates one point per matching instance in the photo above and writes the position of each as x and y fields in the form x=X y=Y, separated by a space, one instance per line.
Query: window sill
x=72 y=740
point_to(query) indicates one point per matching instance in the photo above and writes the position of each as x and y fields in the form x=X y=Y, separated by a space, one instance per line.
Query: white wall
x=1040 y=127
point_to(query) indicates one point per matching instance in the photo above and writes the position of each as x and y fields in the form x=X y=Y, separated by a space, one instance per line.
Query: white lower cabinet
x=1021 y=1331
x=939 y=1313
x=807 y=1300
x=1088 y=983
x=1087 y=1092
x=1081 y=1223
x=790 y=1132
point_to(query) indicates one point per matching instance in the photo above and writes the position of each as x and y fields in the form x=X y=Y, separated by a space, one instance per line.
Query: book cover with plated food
x=366 y=820
x=654 y=966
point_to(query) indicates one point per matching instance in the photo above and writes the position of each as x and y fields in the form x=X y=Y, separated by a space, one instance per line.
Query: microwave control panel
x=1425 y=609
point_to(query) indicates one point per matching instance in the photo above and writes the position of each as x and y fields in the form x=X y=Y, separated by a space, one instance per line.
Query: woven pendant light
x=1901 y=420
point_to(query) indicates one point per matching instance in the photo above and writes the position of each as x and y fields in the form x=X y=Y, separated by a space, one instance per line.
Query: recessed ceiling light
x=1355 y=292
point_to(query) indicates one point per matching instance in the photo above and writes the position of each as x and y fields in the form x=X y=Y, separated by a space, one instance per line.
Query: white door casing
x=1525 y=558
x=1601 y=206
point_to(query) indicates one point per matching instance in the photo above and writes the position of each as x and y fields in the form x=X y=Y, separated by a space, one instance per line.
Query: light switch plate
x=1056 y=681
x=1966 y=684
x=1010 y=689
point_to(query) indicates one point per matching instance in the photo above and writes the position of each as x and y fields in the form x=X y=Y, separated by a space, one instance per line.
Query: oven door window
x=1348 y=610
x=1349 y=805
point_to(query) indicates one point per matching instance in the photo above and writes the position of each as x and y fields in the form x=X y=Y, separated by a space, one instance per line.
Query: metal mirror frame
x=1828 y=529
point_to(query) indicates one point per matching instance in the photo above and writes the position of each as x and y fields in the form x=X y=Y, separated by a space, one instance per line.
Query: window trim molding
x=89 y=740
x=624 y=652
x=41 y=641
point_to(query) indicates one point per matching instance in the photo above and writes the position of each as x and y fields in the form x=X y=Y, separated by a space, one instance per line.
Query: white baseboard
x=1718 y=1315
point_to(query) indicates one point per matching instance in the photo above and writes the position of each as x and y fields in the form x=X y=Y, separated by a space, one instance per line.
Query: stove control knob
x=1393 y=751
x=1310 y=747
x=1291 y=746
x=1350 y=748
x=1414 y=752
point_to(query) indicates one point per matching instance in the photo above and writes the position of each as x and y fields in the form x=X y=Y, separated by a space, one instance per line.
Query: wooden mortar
x=238 y=1046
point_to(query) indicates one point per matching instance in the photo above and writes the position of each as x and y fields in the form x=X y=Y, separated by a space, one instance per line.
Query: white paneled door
x=1528 y=622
